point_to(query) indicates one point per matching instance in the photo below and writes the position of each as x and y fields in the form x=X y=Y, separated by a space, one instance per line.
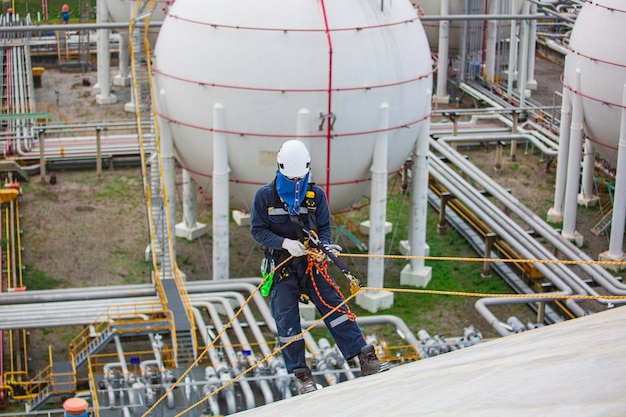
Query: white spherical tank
x=121 y=11
x=269 y=63
x=597 y=50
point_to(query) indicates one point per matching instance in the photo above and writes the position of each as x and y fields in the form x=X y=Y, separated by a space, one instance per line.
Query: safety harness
x=308 y=236
x=275 y=257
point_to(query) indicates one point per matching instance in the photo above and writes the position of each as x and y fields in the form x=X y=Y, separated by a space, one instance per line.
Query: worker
x=282 y=211
x=65 y=14
x=9 y=15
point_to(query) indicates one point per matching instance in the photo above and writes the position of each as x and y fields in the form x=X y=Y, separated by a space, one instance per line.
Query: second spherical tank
x=598 y=53
x=458 y=7
x=318 y=70
x=122 y=10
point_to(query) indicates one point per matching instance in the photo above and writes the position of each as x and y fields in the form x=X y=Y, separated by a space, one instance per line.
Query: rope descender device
x=355 y=283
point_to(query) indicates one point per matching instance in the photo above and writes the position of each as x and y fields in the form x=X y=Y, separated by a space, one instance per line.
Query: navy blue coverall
x=270 y=224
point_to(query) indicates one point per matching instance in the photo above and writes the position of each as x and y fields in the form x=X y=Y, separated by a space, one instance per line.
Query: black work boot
x=370 y=363
x=305 y=380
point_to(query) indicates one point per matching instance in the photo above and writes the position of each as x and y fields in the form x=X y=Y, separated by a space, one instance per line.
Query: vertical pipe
x=124 y=55
x=573 y=163
x=498 y=163
x=619 y=204
x=442 y=73
x=562 y=156
x=589 y=159
x=419 y=203
x=42 y=155
x=513 y=153
x=190 y=212
x=441 y=224
x=220 y=196
x=98 y=154
x=12 y=245
x=378 y=206
x=512 y=50
x=490 y=45
x=463 y=57
x=490 y=238
x=532 y=44
x=523 y=61
x=303 y=130
x=104 y=56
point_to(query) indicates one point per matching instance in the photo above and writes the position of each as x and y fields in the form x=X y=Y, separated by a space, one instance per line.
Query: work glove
x=294 y=247
x=334 y=249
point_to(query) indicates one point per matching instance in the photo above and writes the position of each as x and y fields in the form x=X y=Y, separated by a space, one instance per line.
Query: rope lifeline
x=397 y=290
x=265 y=359
x=494 y=260
x=212 y=344
x=497 y=295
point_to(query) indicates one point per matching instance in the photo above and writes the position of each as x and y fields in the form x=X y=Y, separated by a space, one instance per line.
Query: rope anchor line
x=494 y=260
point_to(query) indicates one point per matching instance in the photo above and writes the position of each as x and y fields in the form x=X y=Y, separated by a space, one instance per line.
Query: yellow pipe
x=11 y=351
x=24 y=352
x=19 y=244
x=8 y=253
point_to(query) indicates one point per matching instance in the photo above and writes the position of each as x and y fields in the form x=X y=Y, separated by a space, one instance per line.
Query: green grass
x=23 y=7
x=38 y=280
x=426 y=311
x=122 y=187
x=134 y=272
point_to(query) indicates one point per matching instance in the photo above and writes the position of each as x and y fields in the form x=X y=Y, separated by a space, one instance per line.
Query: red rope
x=322 y=269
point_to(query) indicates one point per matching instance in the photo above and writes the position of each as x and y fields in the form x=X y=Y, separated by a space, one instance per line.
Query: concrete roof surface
x=573 y=368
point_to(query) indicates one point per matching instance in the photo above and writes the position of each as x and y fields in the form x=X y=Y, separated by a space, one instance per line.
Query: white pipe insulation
x=556 y=212
x=221 y=200
x=442 y=73
x=419 y=203
x=490 y=43
x=104 y=55
x=573 y=165
x=243 y=341
x=619 y=204
x=378 y=202
x=232 y=357
x=523 y=56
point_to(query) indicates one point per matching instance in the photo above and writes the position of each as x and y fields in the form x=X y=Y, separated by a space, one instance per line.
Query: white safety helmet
x=293 y=159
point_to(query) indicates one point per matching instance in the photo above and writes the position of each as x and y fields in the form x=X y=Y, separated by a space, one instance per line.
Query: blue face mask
x=292 y=192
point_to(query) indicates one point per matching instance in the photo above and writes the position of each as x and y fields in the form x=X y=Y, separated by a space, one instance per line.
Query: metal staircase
x=174 y=315
x=57 y=379
x=166 y=274
x=603 y=224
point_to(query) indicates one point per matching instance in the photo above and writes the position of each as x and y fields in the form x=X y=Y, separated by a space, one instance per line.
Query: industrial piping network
x=559 y=275
x=54 y=308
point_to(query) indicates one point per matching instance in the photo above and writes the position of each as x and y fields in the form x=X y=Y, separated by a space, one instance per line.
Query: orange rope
x=322 y=269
